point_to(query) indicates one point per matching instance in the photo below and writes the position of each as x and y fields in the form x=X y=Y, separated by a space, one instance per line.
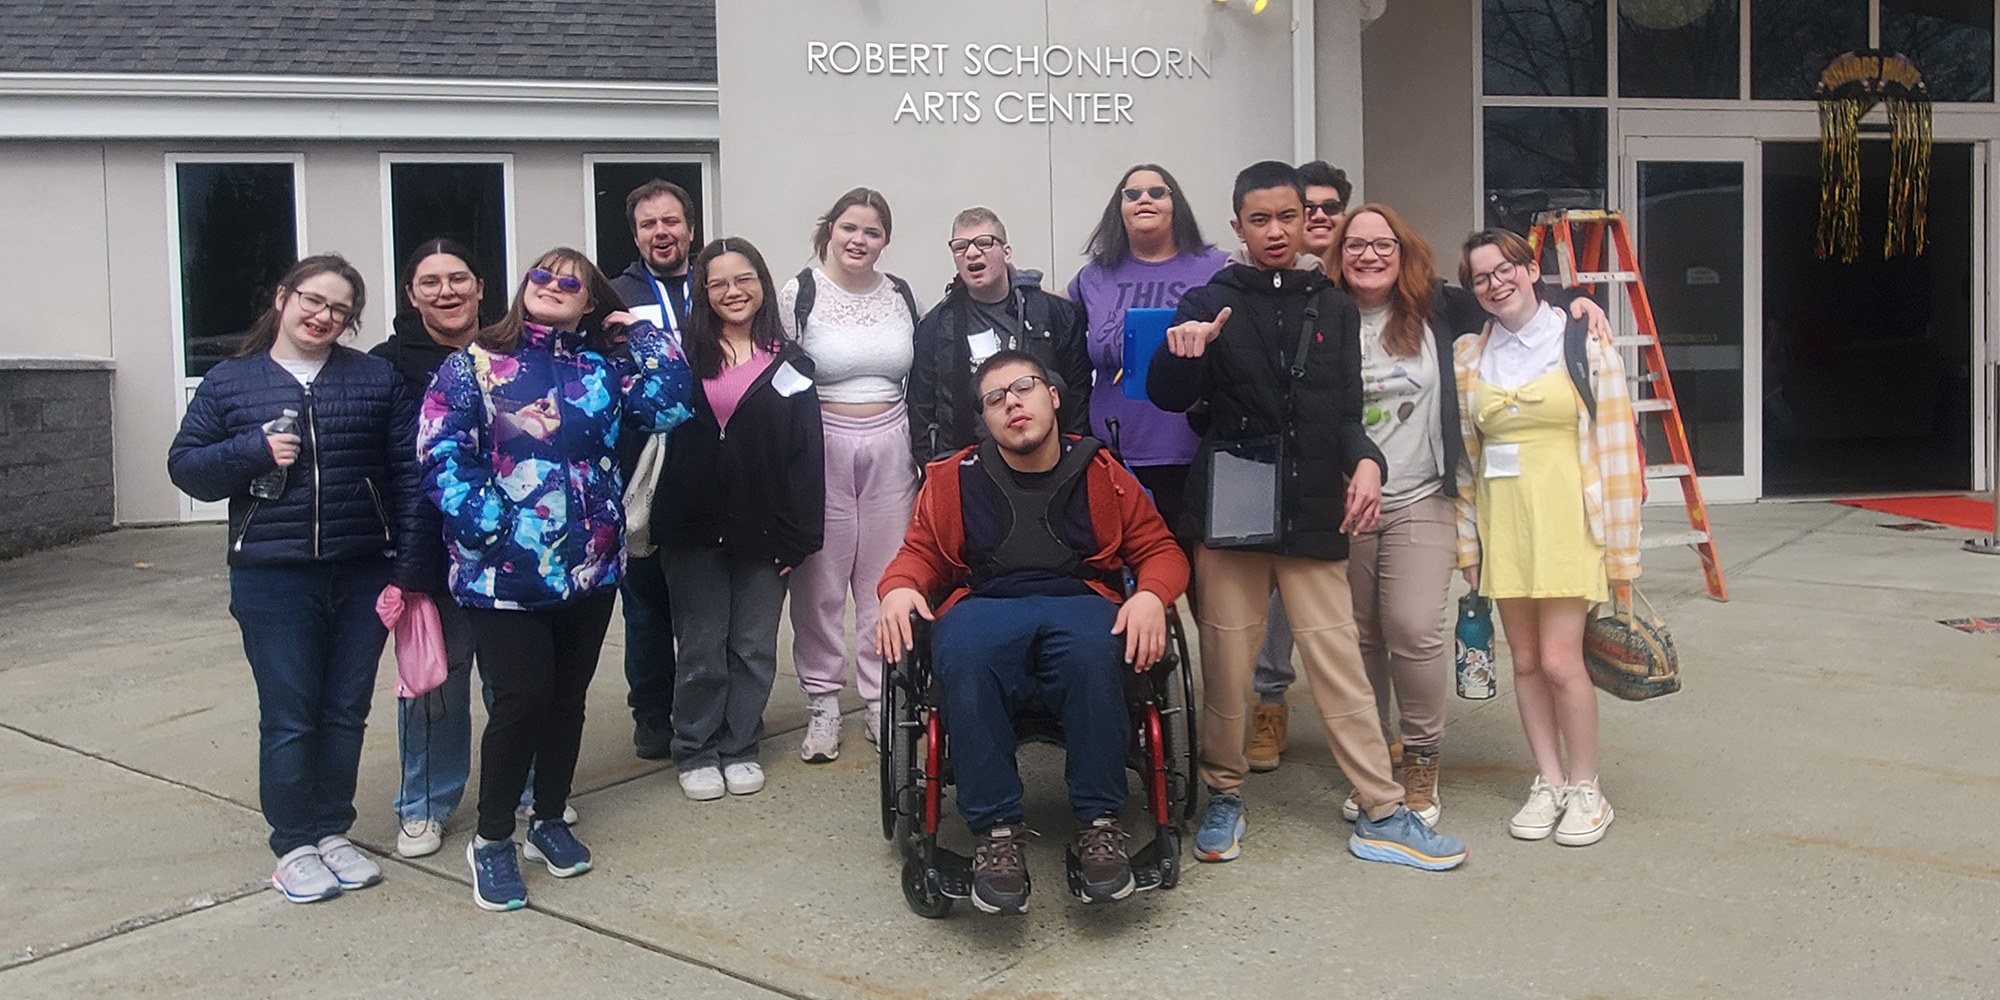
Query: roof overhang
x=219 y=106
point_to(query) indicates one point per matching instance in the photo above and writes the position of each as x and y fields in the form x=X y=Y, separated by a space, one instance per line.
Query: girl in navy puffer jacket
x=519 y=442
x=307 y=565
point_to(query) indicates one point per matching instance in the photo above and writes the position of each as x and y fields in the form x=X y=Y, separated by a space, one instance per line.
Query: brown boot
x=1267 y=737
x=1420 y=786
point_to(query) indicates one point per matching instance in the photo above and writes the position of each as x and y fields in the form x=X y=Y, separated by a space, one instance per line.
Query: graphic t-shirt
x=1147 y=434
x=1399 y=409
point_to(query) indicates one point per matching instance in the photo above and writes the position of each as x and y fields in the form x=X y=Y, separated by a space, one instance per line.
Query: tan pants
x=1401 y=577
x=1235 y=593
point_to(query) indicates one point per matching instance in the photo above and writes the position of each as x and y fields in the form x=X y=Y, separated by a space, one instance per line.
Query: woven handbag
x=1629 y=656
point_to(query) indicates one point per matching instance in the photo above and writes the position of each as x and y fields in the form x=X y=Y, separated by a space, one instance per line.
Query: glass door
x=1693 y=206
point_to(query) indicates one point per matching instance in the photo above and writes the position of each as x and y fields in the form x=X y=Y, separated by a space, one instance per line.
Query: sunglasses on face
x=1019 y=387
x=314 y=305
x=1329 y=208
x=984 y=241
x=568 y=284
x=1156 y=192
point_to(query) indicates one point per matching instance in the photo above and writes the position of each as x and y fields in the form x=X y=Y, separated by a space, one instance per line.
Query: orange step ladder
x=1558 y=229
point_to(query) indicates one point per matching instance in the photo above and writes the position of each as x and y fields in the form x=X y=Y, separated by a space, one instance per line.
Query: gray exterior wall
x=55 y=452
x=1418 y=129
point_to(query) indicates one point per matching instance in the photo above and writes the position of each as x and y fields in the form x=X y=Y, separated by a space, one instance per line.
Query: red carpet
x=1970 y=513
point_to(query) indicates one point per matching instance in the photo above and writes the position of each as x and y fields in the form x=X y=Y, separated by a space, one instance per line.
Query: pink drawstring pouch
x=420 y=660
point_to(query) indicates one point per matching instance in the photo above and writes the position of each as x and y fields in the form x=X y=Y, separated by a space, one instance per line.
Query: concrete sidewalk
x=1811 y=817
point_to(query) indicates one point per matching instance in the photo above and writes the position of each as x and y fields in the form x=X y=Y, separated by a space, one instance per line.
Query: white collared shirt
x=1514 y=358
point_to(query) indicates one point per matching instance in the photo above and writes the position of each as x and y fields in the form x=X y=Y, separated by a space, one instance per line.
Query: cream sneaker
x=1587 y=817
x=1537 y=819
x=744 y=779
x=419 y=838
x=702 y=784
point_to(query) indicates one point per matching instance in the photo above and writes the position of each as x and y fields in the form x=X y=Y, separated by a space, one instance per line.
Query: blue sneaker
x=1402 y=839
x=1221 y=835
x=496 y=877
x=550 y=842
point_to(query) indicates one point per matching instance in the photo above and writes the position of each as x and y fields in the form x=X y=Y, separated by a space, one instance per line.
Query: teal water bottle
x=1475 y=648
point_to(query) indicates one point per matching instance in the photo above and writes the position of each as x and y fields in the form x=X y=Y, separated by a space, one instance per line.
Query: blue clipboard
x=1145 y=331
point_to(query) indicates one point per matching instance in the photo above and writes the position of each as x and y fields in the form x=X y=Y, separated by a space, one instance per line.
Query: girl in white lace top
x=859 y=327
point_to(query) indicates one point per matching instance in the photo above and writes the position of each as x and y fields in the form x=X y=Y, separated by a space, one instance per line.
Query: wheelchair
x=916 y=768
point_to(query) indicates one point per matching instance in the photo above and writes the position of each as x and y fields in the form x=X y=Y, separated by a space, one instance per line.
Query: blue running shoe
x=1221 y=835
x=1402 y=839
x=496 y=877
x=550 y=842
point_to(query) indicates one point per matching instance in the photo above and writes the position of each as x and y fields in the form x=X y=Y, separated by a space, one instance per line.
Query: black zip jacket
x=353 y=493
x=943 y=406
x=417 y=357
x=1243 y=376
x=756 y=488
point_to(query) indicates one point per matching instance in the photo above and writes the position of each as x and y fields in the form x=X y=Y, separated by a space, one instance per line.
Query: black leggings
x=540 y=664
x=1169 y=486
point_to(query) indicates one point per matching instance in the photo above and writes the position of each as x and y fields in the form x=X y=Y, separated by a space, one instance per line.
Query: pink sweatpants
x=871 y=480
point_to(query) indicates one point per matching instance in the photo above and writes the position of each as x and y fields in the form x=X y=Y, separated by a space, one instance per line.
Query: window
x=238 y=232
x=465 y=200
x=1678 y=48
x=1543 y=47
x=1539 y=159
x=611 y=180
x=1792 y=41
x=1951 y=41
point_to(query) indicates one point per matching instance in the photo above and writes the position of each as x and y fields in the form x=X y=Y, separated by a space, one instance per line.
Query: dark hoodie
x=1243 y=377
x=944 y=409
x=417 y=358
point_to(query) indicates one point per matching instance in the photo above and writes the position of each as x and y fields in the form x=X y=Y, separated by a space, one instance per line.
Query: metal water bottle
x=1475 y=648
x=271 y=485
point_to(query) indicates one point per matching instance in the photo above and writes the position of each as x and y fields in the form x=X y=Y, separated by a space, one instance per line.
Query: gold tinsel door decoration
x=1849 y=88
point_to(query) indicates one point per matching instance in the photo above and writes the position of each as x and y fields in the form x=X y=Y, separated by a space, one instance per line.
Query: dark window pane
x=1951 y=41
x=611 y=183
x=1792 y=41
x=1542 y=158
x=466 y=202
x=1678 y=48
x=1691 y=255
x=238 y=235
x=1543 y=47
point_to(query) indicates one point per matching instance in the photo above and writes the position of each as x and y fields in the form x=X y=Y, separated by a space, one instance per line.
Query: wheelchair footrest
x=953 y=872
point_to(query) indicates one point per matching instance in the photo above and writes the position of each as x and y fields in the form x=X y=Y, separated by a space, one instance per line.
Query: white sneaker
x=702 y=784
x=1537 y=819
x=523 y=815
x=1588 y=816
x=419 y=838
x=874 y=722
x=744 y=779
x=822 y=743
x=303 y=878
x=353 y=869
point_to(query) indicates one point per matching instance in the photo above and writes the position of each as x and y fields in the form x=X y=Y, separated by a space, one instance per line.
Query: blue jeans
x=313 y=641
x=992 y=655
x=435 y=729
x=649 y=643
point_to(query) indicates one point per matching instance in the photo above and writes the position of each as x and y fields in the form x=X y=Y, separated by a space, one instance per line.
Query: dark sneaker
x=496 y=876
x=550 y=842
x=1402 y=839
x=1000 y=872
x=652 y=742
x=1221 y=835
x=1107 y=870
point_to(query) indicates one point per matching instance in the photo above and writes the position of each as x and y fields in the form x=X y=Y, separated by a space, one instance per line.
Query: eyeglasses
x=1019 y=387
x=746 y=281
x=984 y=241
x=314 y=305
x=1329 y=208
x=1156 y=192
x=1355 y=246
x=568 y=284
x=1503 y=272
x=430 y=286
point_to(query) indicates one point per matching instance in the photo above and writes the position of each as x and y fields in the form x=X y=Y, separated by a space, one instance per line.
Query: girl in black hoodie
x=742 y=502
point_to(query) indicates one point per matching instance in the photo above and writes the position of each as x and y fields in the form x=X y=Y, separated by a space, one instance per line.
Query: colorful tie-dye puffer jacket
x=519 y=452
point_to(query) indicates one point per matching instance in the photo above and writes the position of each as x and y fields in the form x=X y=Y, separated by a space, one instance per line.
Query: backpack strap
x=803 y=306
x=1576 y=358
x=909 y=298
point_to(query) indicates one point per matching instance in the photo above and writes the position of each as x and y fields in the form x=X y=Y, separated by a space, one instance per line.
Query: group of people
x=706 y=443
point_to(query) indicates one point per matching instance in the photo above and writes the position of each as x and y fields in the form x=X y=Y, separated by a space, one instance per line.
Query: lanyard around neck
x=667 y=310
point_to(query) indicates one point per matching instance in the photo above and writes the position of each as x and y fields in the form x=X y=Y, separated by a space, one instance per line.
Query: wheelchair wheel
x=1177 y=709
x=896 y=758
x=921 y=892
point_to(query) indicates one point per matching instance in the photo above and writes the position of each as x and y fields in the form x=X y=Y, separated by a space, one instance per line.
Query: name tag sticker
x=788 y=380
x=1503 y=461
x=984 y=345
x=650 y=314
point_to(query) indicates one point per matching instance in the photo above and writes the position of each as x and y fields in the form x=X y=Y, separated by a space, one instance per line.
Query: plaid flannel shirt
x=1614 y=480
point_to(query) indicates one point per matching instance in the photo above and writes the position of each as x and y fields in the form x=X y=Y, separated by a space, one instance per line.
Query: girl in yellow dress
x=1548 y=515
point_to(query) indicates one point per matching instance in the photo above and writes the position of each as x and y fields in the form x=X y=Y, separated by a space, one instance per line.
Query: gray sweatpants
x=726 y=623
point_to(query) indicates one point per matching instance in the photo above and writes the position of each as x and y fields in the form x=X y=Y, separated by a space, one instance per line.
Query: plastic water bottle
x=271 y=485
x=1475 y=648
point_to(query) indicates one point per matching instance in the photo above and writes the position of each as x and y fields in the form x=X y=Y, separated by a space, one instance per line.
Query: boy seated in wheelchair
x=1027 y=536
